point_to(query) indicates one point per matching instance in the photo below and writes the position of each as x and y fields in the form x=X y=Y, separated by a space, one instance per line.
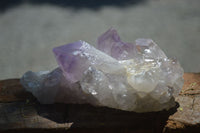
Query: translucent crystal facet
x=128 y=76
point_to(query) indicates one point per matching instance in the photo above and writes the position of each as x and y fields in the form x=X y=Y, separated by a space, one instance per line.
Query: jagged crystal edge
x=133 y=77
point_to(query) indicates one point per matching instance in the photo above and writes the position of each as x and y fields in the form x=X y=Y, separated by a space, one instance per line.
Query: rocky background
x=29 y=29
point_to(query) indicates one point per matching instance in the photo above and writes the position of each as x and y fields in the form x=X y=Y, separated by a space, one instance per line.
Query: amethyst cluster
x=135 y=77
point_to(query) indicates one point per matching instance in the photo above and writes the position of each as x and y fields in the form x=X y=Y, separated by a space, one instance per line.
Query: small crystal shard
x=135 y=77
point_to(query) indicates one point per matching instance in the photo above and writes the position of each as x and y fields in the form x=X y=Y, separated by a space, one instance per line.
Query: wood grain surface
x=21 y=112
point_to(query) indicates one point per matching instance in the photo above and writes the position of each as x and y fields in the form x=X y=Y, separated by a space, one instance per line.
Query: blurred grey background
x=29 y=29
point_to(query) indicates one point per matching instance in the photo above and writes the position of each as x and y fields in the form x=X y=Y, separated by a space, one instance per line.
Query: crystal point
x=111 y=44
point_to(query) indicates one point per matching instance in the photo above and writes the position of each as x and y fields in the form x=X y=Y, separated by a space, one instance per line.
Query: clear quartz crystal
x=135 y=77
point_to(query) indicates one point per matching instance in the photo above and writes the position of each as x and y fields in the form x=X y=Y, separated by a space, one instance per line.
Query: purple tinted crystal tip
x=70 y=61
x=111 y=44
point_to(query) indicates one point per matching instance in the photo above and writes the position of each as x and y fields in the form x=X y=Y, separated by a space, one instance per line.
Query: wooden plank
x=20 y=115
x=12 y=91
x=20 y=111
x=187 y=116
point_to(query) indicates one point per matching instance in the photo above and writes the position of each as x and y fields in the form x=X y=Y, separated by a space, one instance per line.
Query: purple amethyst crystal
x=70 y=61
x=128 y=76
x=111 y=44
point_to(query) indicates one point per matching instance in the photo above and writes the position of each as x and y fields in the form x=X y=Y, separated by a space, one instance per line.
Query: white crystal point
x=142 y=81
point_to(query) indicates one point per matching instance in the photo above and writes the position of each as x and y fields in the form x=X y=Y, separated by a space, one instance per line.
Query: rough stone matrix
x=128 y=76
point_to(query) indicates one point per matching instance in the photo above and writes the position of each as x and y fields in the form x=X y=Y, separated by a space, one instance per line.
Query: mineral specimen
x=135 y=77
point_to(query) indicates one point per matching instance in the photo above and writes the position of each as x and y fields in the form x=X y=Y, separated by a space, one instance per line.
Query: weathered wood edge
x=187 y=116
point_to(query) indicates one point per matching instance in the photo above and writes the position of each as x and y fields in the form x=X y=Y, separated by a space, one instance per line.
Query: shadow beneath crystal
x=87 y=117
